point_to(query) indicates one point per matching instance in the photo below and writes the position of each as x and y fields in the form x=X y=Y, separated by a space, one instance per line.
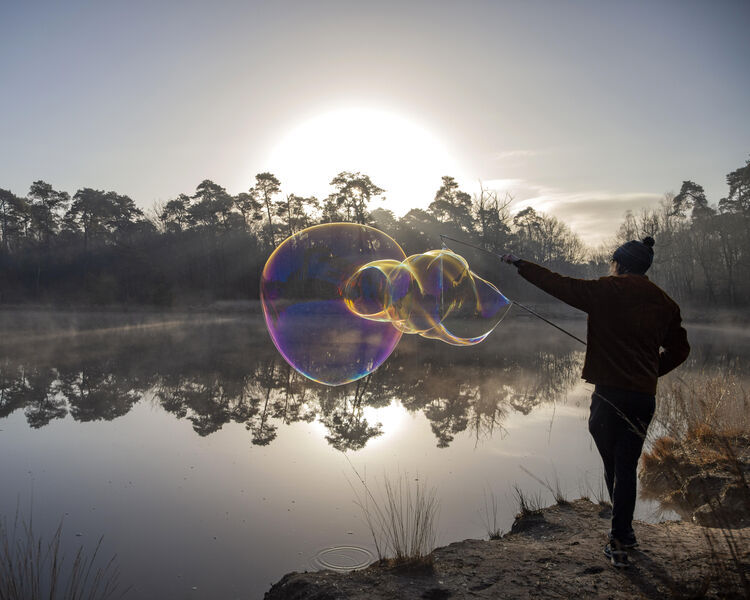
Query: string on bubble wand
x=518 y=304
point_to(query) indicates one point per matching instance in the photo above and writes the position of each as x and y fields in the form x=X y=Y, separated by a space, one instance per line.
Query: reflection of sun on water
x=391 y=418
x=397 y=153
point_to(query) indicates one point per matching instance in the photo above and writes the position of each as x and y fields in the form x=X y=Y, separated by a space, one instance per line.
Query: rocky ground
x=555 y=554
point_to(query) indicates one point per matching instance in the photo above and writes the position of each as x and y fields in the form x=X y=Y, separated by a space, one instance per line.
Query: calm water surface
x=211 y=468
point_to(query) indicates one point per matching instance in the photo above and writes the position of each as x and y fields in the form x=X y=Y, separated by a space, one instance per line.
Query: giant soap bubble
x=337 y=298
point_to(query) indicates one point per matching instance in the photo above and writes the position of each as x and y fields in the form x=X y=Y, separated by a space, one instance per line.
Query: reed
x=488 y=514
x=401 y=516
x=602 y=494
x=32 y=568
x=554 y=487
x=528 y=504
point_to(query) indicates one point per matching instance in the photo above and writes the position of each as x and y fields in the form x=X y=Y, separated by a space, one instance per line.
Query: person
x=634 y=336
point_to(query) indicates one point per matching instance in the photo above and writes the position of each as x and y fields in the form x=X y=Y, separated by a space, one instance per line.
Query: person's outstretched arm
x=578 y=293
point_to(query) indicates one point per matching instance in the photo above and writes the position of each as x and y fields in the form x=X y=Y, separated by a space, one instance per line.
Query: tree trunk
x=270 y=223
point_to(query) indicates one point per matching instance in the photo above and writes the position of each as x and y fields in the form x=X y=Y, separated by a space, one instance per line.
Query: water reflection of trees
x=213 y=374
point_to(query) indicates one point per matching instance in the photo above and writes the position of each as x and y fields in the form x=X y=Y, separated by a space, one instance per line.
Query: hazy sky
x=582 y=109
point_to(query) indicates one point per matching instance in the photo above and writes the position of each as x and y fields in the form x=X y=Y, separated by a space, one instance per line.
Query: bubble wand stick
x=526 y=308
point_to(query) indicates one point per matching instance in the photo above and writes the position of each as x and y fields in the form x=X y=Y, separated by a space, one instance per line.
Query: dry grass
x=401 y=518
x=555 y=488
x=697 y=463
x=701 y=430
x=528 y=504
x=601 y=494
x=700 y=446
x=597 y=493
x=718 y=402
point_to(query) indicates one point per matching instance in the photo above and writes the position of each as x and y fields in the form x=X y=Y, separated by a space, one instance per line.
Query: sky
x=581 y=109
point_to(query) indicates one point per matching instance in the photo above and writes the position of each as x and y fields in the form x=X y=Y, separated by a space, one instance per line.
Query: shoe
x=628 y=542
x=617 y=555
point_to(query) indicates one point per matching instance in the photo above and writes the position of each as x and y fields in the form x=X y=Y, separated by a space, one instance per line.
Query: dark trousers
x=618 y=423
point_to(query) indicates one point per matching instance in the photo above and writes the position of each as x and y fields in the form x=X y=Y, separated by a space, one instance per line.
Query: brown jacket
x=635 y=331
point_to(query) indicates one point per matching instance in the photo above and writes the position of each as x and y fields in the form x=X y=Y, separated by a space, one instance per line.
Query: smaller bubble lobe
x=434 y=294
x=337 y=298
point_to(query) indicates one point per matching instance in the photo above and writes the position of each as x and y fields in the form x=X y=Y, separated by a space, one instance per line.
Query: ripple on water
x=342 y=558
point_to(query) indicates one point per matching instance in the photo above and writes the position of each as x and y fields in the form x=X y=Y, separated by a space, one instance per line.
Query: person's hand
x=509 y=258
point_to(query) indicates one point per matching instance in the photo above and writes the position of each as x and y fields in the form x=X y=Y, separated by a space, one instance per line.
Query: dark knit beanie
x=635 y=257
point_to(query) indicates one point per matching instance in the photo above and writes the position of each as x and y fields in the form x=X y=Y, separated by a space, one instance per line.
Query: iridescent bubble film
x=434 y=294
x=302 y=294
x=337 y=298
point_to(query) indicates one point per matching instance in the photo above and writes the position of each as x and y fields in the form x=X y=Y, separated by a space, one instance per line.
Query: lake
x=211 y=468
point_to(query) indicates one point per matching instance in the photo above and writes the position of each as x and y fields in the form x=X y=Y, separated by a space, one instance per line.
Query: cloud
x=501 y=185
x=595 y=215
x=513 y=154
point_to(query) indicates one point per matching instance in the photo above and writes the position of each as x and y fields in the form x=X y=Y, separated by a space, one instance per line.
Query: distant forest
x=99 y=248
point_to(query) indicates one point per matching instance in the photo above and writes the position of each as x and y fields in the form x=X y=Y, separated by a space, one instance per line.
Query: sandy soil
x=557 y=554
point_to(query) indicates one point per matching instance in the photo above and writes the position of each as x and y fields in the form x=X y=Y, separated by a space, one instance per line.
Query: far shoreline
x=697 y=316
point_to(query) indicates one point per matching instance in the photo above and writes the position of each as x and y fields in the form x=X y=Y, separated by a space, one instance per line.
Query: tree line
x=703 y=249
x=97 y=247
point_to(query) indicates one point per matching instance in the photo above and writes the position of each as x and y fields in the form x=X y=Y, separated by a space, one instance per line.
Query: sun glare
x=391 y=417
x=398 y=154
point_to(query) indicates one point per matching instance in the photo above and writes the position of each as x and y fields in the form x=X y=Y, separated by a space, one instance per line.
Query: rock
x=736 y=501
x=703 y=478
x=730 y=510
x=699 y=489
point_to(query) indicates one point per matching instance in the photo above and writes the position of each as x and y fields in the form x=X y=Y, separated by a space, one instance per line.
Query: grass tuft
x=528 y=504
x=401 y=518
x=554 y=488
x=489 y=515
x=34 y=569
x=601 y=494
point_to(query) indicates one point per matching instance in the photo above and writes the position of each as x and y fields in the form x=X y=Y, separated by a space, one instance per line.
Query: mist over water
x=207 y=462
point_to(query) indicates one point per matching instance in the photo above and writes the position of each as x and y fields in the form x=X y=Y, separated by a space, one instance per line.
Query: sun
x=398 y=153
